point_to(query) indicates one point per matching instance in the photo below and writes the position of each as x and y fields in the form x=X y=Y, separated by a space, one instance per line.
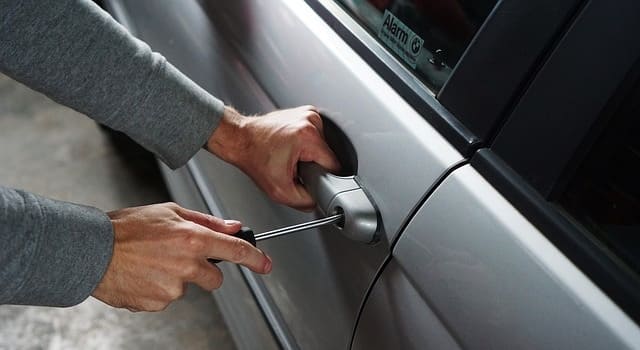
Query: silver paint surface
x=495 y=281
x=397 y=317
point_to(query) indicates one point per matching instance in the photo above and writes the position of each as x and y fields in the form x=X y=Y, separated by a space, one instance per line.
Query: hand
x=159 y=248
x=268 y=149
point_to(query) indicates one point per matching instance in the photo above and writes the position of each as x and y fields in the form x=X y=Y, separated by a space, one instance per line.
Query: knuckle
x=214 y=281
x=305 y=130
x=314 y=117
x=172 y=205
x=158 y=306
x=185 y=228
x=273 y=189
x=148 y=306
x=189 y=238
x=309 y=128
x=279 y=195
x=217 y=281
x=194 y=242
x=191 y=271
x=240 y=250
x=308 y=133
x=173 y=292
x=133 y=307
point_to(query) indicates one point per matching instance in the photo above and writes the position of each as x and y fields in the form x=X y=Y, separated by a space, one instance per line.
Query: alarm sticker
x=400 y=38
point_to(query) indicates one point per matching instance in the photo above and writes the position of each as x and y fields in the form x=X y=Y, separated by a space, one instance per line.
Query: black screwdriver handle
x=245 y=233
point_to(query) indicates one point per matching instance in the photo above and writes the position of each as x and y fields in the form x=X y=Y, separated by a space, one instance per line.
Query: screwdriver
x=247 y=234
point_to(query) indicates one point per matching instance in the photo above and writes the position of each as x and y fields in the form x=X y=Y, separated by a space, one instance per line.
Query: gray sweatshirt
x=52 y=252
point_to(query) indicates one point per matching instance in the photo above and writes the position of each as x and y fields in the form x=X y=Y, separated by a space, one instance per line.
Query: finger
x=291 y=193
x=208 y=277
x=239 y=251
x=315 y=119
x=320 y=153
x=308 y=108
x=303 y=200
x=210 y=221
x=150 y=305
x=294 y=195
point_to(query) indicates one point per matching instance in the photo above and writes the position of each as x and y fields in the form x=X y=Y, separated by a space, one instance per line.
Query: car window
x=604 y=194
x=427 y=36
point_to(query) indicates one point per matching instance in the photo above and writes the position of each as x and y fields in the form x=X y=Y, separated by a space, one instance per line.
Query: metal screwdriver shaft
x=246 y=233
x=299 y=227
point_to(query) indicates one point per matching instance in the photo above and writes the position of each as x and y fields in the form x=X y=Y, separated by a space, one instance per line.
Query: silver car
x=491 y=163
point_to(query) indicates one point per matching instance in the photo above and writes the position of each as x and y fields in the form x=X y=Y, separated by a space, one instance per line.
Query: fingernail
x=231 y=222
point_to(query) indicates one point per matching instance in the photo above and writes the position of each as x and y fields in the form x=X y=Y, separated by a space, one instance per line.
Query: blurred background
x=53 y=151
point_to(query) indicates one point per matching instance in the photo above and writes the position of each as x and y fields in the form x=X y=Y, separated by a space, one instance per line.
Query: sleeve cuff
x=72 y=250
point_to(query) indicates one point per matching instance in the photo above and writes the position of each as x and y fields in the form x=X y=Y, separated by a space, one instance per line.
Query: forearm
x=53 y=253
x=79 y=56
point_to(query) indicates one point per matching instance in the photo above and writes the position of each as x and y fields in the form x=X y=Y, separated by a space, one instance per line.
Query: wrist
x=228 y=141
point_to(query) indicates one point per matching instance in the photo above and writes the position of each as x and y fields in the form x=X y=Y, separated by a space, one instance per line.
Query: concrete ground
x=53 y=151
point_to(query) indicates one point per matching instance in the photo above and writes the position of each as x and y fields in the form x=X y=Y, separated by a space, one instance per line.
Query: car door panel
x=396 y=316
x=492 y=278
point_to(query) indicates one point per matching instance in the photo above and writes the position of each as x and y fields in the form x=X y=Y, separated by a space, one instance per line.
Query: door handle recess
x=342 y=194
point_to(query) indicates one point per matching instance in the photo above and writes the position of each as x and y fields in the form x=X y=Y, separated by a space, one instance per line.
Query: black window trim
x=544 y=136
x=540 y=147
x=418 y=95
x=514 y=41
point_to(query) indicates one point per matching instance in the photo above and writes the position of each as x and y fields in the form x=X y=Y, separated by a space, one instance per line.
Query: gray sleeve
x=75 y=53
x=53 y=253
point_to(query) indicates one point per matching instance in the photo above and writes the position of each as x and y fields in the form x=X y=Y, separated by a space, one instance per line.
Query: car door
x=391 y=132
x=534 y=243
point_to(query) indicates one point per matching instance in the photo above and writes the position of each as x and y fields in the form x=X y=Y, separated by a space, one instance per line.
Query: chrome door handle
x=342 y=194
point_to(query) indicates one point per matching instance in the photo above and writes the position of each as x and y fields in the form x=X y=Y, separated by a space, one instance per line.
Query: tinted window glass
x=427 y=36
x=605 y=194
